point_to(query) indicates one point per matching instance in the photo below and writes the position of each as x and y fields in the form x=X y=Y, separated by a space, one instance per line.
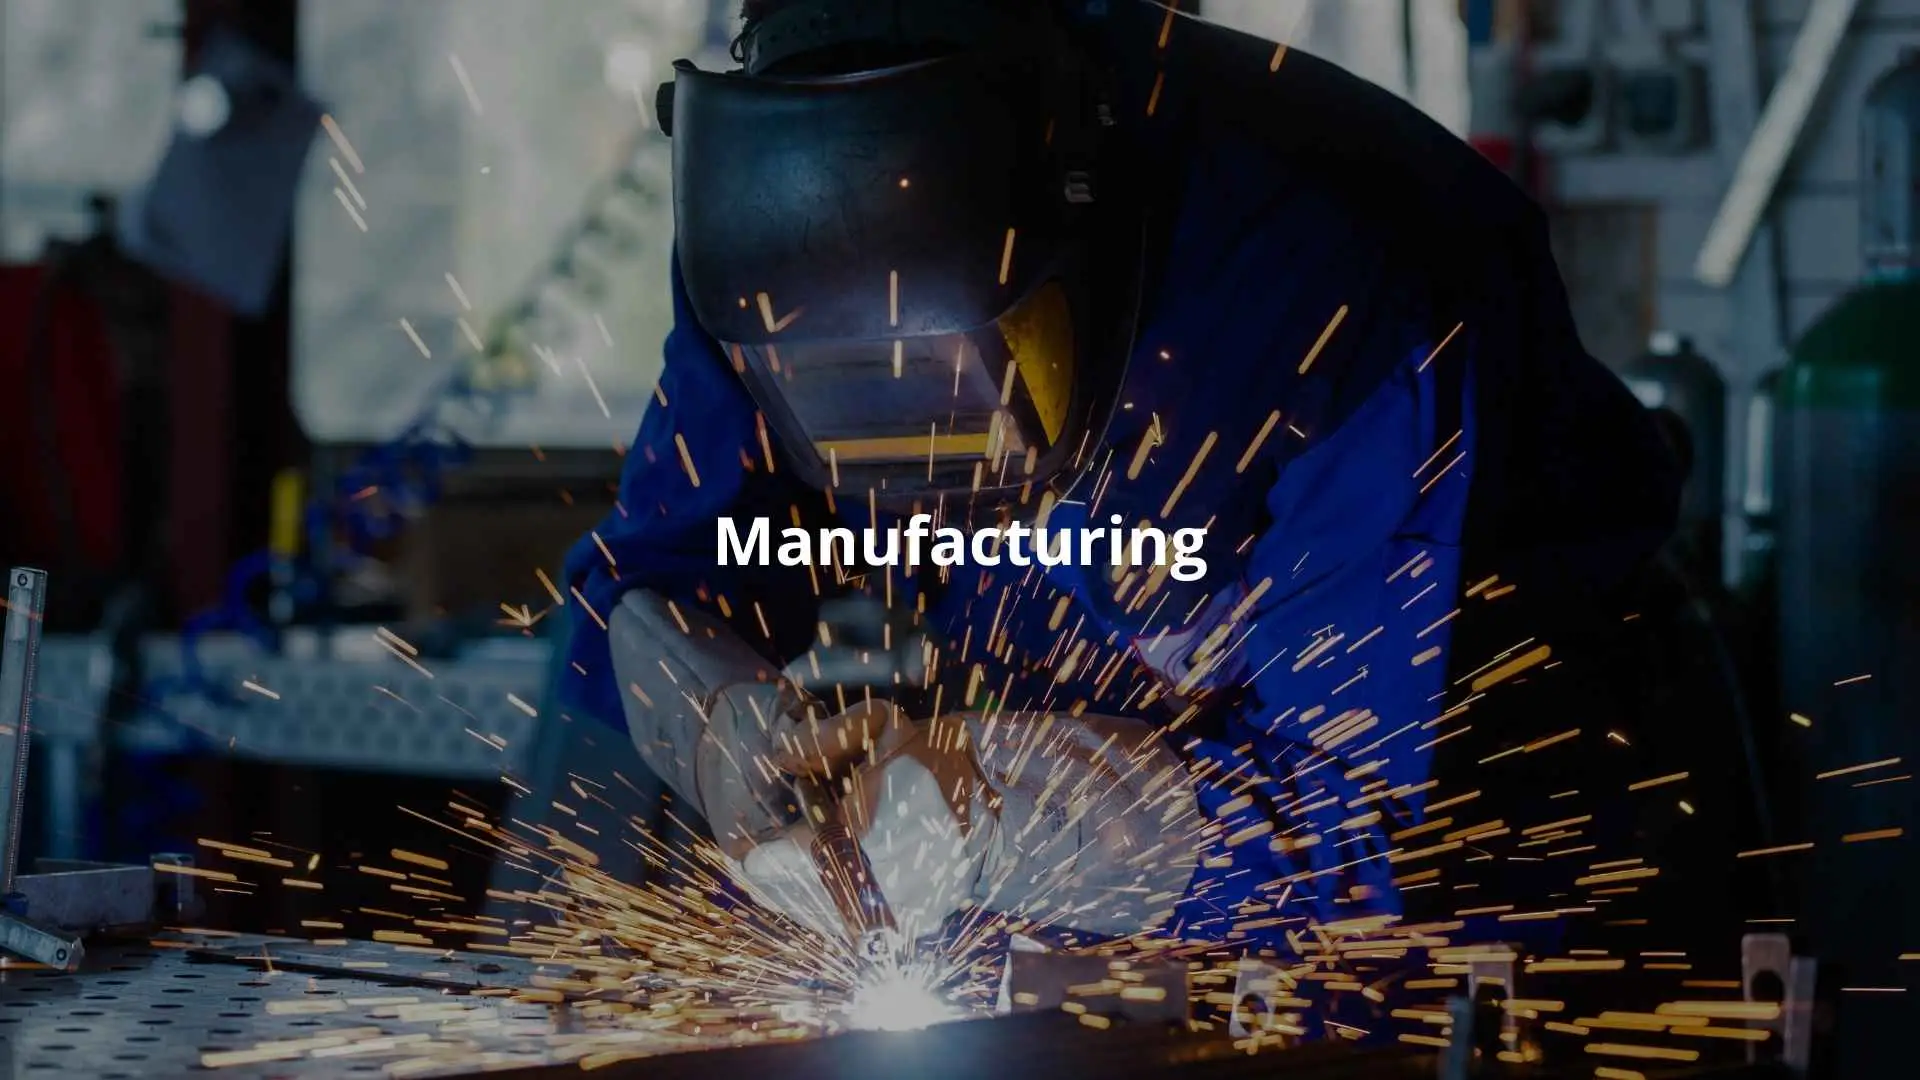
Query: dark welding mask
x=886 y=217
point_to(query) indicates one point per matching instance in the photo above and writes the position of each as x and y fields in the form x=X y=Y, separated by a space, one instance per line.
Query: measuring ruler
x=19 y=652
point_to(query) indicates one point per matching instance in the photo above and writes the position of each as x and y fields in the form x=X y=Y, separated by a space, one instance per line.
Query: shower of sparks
x=685 y=952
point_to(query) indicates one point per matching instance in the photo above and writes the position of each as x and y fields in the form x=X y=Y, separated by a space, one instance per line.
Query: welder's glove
x=705 y=712
x=1086 y=823
x=912 y=801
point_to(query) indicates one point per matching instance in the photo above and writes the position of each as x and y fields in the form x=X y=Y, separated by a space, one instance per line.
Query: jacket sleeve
x=1345 y=648
x=699 y=456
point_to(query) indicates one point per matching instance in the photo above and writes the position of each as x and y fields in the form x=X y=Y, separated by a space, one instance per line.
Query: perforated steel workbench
x=170 y=1009
x=254 y=1007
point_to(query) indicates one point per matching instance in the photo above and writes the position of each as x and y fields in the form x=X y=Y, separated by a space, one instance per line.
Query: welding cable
x=1700 y=611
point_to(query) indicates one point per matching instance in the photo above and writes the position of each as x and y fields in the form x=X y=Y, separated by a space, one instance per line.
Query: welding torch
x=844 y=869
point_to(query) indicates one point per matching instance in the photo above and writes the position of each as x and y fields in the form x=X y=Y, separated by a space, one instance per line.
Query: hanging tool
x=19 y=652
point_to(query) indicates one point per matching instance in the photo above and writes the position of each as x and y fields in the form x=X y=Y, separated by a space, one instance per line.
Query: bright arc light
x=896 y=1002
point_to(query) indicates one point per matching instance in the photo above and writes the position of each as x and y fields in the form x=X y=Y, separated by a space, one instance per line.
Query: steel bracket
x=1769 y=972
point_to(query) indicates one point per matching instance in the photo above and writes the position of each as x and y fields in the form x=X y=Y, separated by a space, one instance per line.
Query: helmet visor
x=908 y=413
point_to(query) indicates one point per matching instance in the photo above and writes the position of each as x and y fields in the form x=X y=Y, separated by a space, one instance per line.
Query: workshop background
x=325 y=320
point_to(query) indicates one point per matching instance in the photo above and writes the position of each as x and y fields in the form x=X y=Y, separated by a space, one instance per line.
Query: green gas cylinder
x=1847 y=491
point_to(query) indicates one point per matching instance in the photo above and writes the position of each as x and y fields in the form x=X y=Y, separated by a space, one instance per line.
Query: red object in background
x=1505 y=154
x=78 y=369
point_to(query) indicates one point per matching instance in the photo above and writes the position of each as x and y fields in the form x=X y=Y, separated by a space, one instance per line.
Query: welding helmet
x=887 y=218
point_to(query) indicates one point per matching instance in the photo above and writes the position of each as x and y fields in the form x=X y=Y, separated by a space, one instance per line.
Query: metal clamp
x=1262 y=996
x=19 y=653
x=1488 y=1026
x=1769 y=972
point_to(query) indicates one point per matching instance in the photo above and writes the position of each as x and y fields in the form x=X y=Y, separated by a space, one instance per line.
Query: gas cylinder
x=1688 y=396
x=1847 y=490
x=1754 y=578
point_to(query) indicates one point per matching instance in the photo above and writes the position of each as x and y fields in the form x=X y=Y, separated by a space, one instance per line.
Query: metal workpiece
x=1137 y=989
x=90 y=896
x=36 y=944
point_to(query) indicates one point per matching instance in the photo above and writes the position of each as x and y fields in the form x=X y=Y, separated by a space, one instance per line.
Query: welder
x=1064 y=260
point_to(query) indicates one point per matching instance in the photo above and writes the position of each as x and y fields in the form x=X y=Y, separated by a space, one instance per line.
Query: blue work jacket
x=1357 y=366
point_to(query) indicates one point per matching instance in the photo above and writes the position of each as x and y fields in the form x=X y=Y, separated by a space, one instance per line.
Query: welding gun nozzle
x=850 y=882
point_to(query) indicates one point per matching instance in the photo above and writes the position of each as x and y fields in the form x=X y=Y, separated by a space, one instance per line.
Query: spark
x=1851 y=769
x=339 y=138
x=346 y=182
x=1325 y=336
x=351 y=211
x=466 y=84
x=414 y=336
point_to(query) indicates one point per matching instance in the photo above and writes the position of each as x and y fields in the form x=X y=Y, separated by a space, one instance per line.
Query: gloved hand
x=914 y=799
x=705 y=712
x=1086 y=823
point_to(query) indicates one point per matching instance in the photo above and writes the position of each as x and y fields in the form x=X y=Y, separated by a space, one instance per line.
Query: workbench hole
x=143 y=1039
x=86 y=1012
x=235 y=1016
x=100 y=997
x=129 y=1057
x=57 y=1047
x=123 y=967
x=243 y=998
x=115 y=982
x=156 y=1021
x=305 y=1023
x=256 y=982
x=72 y=1030
x=188 y=975
x=21 y=1004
